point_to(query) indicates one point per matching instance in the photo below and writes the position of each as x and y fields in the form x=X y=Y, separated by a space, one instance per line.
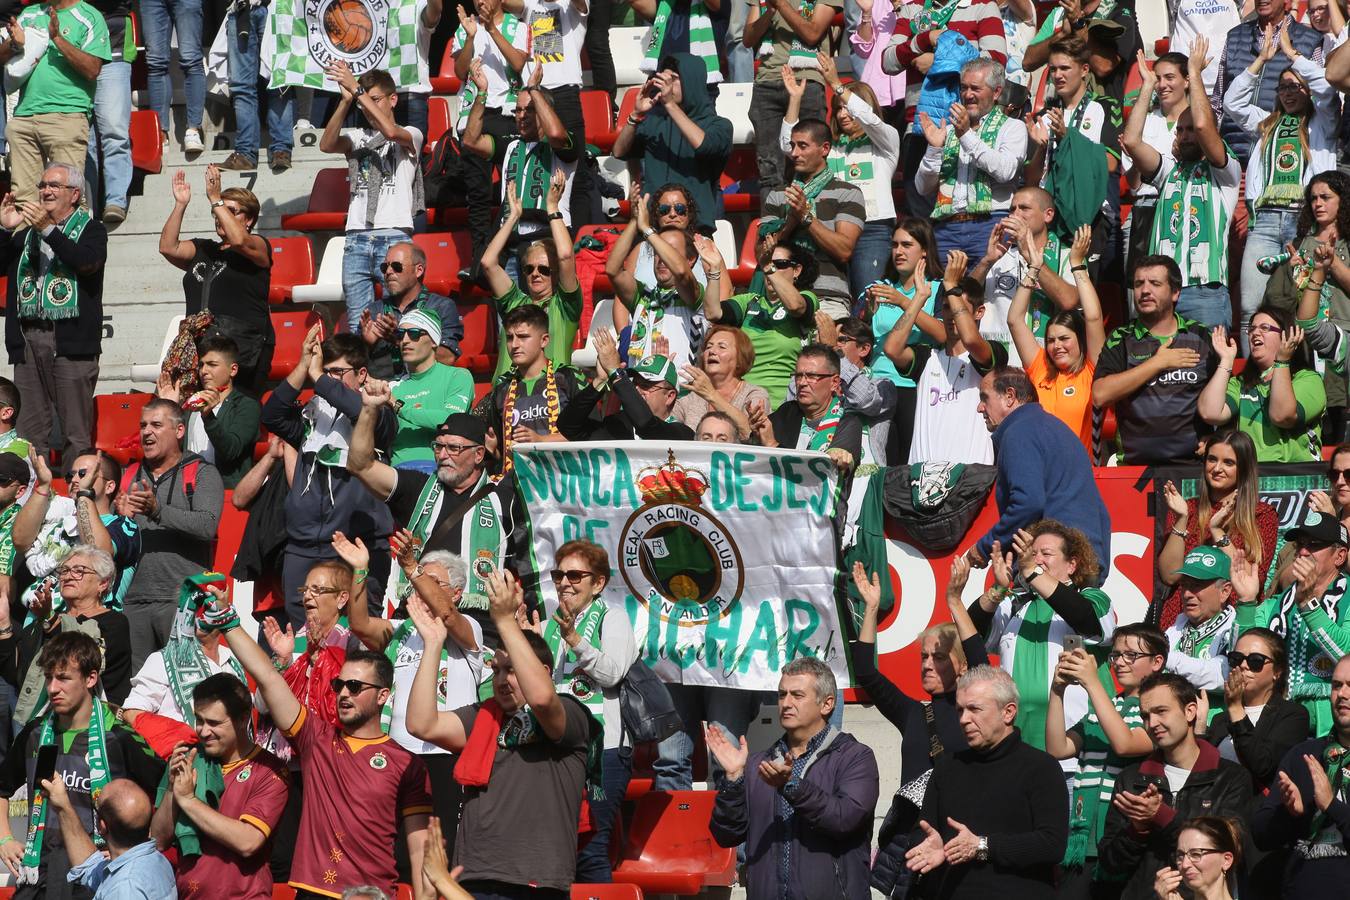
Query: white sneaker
x=303 y=125
x=192 y=141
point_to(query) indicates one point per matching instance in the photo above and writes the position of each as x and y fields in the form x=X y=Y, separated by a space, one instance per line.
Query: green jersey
x=1250 y=407
x=425 y=400
x=564 y=320
x=776 y=335
x=1098 y=766
x=54 y=86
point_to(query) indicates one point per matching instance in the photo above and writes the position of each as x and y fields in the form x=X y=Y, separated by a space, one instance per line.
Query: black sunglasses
x=665 y=209
x=6 y=482
x=415 y=333
x=544 y=270
x=353 y=686
x=396 y=266
x=1255 y=661
x=573 y=576
x=76 y=473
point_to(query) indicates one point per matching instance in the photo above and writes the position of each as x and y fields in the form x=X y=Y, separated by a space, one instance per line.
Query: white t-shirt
x=1226 y=749
x=1176 y=777
x=150 y=686
x=395 y=168
x=564 y=204
x=1000 y=284
x=196 y=441
x=1194 y=259
x=947 y=424
x=553 y=38
x=682 y=326
x=494 y=69
x=1091 y=125
x=457 y=685
x=1211 y=18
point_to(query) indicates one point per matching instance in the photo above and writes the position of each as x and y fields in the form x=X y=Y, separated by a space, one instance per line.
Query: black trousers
x=585 y=196
x=597 y=47
x=478 y=193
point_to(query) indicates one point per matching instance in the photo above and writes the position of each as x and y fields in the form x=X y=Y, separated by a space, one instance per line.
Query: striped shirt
x=1098 y=767
x=837 y=203
x=980 y=22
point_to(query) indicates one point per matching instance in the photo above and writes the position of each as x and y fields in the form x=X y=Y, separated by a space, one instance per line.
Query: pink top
x=890 y=89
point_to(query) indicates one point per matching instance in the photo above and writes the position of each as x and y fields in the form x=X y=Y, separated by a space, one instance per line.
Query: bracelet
x=714 y=276
x=85 y=494
x=217 y=204
x=1277 y=364
x=1081 y=268
x=648 y=233
x=6 y=839
x=1316 y=285
x=634 y=120
x=1180 y=534
x=359 y=576
x=42 y=493
x=1029 y=285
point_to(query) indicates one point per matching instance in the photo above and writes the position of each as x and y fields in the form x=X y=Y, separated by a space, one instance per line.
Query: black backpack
x=443 y=174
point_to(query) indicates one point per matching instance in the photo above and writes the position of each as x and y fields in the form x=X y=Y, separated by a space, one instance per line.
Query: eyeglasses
x=6 y=482
x=1337 y=474
x=1291 y=87
x=74 y=571
x=1130 y=656
x=353 y=686
x=1268 y=329
x=338 y=371
x=43 y=185
x=453 y=449
x=543 y=269
x=573 y=576
x=1195 y=855
x=812 y=377
x=396 y=266
x=316 y=590
x=1255 y=661
x=665 y=209
x=415 y=333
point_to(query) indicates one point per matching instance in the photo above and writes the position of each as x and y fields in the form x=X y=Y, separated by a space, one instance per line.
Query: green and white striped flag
x=366 y=34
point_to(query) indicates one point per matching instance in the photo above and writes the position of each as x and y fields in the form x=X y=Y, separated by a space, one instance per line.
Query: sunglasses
x=353 y=686
x=6 y=482
x=1337 y=474
x=415 y=333
x=543 y=269
x=76 y=473
x=783 y=262
x=1255 y=661
x=665 y=209
x=396 y=266
x=573 y=576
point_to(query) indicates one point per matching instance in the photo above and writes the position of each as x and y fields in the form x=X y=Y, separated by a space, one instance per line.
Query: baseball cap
x=656 y=368
x=1319 y=527
x=463 y=425
x=13 y=467
x=426 y=319
x=1206 y=563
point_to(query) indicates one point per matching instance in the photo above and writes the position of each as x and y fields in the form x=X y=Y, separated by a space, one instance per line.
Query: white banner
x=722 y=555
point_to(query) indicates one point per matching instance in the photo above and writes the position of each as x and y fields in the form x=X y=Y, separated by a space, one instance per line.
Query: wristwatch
x=808 y=219
x=1223 y=541
x=555 y=215
x=982 y=850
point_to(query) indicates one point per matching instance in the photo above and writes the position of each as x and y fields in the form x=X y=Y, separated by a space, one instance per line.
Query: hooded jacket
x=666 y=154
x=830 y=830
x=1216 y=787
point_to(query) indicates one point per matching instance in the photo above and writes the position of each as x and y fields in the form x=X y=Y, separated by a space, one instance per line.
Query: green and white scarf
x=1190 y=224
x=859 y=171
x=801 y=56
x=1283 y=157
x=1041 y=308
x=1195 y=639
x=702 y=41
x=648 y=312
x=565 y=674
x=400 y=637
x=822 y=433
x=100 y=720
x=184 y=660
x=54 y=294
x=979 y=195
x=468 y=92
x=529 y=166
x=934 y=17
x=482 y=542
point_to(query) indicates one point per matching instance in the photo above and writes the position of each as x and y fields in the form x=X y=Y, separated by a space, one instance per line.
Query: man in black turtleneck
x=996 y=815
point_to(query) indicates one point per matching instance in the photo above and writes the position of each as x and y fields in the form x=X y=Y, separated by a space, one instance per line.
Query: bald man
x=134 y=868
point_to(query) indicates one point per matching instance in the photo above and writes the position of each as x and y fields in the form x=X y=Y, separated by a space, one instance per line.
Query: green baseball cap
x=1206 y=563
x=656 y=368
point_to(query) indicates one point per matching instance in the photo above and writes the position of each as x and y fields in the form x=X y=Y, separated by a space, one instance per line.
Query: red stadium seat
x=1134 y=81
x=292 y=264
x=478 y=350
x=147 y=152
x=283 y=892
x=404 y=892
x=599 y=118
x=4 y=292
x=117 y=425
x=741 y=169
x=668 y=848
x=328 y=201
x=291 y=328
x=446 y=81
x=229 y=535
x=447 y=253
x=438 y=120
x=640 y=783
x=745 y=269
x=480 y=390
x=606 y=892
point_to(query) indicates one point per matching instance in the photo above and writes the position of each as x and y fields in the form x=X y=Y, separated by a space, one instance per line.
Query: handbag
x=937 y=502
x=645 y=705
x=889 y=874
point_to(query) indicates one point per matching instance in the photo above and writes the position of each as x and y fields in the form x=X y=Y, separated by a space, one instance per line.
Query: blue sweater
x=1043 y=473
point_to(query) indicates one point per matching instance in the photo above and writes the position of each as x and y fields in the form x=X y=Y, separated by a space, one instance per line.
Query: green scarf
x=468 y=93
x=934 y=17
x=823 y=431
x=801 y=56
x=1334 y=758
x=210 y=788
x=1195 y=639
x=579 y=686
x=530 y=169
x=702 y=41
x=184 y=659
x=1283 y=157
x=54 y=294
x=1041 y=308
x=481 y=543
x=1189 y=224
x=400 y=637
x=648 y=312
x=1031 y=662
x=100 y=720
x=860 y=172
x=983 y=196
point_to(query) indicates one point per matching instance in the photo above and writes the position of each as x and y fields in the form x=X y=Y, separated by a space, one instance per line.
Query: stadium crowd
x=1145 y=263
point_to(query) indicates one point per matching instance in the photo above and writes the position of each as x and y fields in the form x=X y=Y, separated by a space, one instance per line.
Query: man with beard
x=1197 y=194
x=222 y=839
x=361 y=788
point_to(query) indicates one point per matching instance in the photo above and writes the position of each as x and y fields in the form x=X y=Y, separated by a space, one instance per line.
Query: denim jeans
x=244 y=71
x=414 y=110
x=729 y=709
x=971 y=236
x=111 y=140
x=361 y=258
x=593 y=859
x=870 y=255
x=1208 y=304
x=160 y=19
x=1269 y=231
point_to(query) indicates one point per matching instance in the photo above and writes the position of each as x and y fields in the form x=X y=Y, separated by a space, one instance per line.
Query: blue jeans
x=1270 y=230
x=111 y=139
x=971 y=236
x=729 y=709
x=160 y=18
x=243 y=67
x=1208 y=304
x=593 y=859
x=870 y=255
x=361 y=258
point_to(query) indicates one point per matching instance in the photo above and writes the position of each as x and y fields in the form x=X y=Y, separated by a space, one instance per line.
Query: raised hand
x=429 y=627
x=935 y=134
x=1199 y=56
x=958 y=578
x=529 y=620
x=1002 y=564
x=556 y=185
x=470 y=23
x=731 y=757
x=1289 y=795
x=515 y=208
x=792 y=84
x=1175 y=502
x=1082 y=242
x=642 y=212
x=760 y=424
x=1304 y=571
x=1246 y=579
x=281 y=642
x=959 y=118
x=478 y=75
x=213 y=182
x=182 y=191
x=1321 y=785
x=1289 y=341
x=1037 y=133
x=376 y=393
x=1221 y=516
x=353 y=553
x=698 y=381
x=869 y=587
x=406 y=548
x=827 y=330
x=956 y=268
x=1167 y=884
x=709 y=256
x=1148 y=77
x=505 y=595
x=1058 y=126
x=1270 y=44
x=1026 y=557
x=828 y=70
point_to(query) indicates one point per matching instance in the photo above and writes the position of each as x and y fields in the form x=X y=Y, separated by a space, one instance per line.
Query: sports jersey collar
x=1140 y=331
x=227 y=768
x=356 y=745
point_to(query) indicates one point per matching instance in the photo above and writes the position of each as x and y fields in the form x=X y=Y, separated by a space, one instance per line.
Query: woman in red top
x=1228 y=513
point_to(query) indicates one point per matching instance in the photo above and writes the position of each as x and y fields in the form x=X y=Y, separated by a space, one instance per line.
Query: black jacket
x=82 y=336
x=1273 y=828
x=577 y=421
x=1260 y=747
x=1216 y=787
x=787 y=428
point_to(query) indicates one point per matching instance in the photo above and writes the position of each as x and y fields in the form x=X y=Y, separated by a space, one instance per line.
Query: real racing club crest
x=675 y=556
